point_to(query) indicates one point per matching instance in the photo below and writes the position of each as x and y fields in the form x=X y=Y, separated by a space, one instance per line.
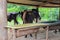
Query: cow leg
x=59 y=30
x=36 y=20
x=15 y=21
x=25 y=36
x=55 y=31
x=31 y=35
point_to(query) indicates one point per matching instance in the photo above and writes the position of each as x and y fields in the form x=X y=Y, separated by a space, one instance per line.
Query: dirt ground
x=41 y=36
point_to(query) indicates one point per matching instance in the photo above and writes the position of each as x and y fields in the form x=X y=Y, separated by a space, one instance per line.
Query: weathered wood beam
x=38 y=4
x=3 y=19
x=22 y=3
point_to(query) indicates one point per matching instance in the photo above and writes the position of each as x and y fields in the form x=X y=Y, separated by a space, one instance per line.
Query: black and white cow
x=13 y=16
x=27 y=16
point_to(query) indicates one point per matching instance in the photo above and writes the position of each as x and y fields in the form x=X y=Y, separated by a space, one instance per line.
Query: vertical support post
x=3 y=19
x=59 y=17
x=11 y=34
x=36 y=35
x=14 y=35
x=47 y=29
x=37 y=8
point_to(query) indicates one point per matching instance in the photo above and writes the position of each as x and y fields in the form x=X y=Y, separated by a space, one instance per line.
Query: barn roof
x=44 y=3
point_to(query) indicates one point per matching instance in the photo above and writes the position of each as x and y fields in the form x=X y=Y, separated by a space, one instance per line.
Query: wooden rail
x=24 y=29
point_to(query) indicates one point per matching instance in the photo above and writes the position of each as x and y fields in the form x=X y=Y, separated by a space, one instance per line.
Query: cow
x=36 y=15
x=31 y=15
x=13 y=16
x=28 y=16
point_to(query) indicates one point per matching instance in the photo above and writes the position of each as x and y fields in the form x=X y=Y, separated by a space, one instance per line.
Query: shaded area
x=47 y=14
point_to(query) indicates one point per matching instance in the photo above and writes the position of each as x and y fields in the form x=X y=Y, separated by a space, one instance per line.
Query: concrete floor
x=41 y=36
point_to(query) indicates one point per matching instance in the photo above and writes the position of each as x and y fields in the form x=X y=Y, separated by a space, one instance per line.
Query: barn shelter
x=41 y=3
x=36 y=3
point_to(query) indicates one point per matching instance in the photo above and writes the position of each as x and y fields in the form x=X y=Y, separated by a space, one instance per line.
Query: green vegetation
x=17 y=8
x=45 y=13
x=49 y=13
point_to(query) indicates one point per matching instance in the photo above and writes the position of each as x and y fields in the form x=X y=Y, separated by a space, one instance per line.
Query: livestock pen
x=3 y=16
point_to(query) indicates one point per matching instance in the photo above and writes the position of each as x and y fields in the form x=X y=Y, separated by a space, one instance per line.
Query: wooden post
x=59 y=13
x=11 y=34
x=47 y=29
x=3 y=20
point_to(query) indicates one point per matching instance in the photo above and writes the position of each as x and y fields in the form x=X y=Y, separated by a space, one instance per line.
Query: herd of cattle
x=27 y=16
x=30 y=15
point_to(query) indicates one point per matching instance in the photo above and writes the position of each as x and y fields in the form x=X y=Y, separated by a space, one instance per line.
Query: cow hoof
x=25 y=36
x=31 y=35
x=55 y=32
x=59 y=30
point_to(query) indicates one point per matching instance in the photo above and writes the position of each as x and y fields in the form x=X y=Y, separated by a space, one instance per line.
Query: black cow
x=30 y=16
x=36 y=15
x=13 y=16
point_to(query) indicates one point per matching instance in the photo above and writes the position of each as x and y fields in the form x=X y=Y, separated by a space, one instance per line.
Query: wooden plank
x=34 y=3
x=33 y=25
x=20 y=33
